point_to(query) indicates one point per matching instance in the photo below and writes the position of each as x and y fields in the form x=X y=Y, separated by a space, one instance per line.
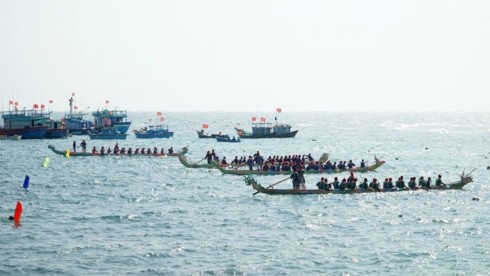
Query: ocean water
x=146 y=215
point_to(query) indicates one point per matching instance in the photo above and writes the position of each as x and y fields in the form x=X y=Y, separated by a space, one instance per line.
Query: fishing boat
x=267 y=130
x=113 y=118
x=77 y=154
x=106 y=133
x=153 y=131
x=237 y=171
x=202 y=134
x=455 y=185
x=29 y=124
x=228 y=140
x=74 y=121
x=56 y=129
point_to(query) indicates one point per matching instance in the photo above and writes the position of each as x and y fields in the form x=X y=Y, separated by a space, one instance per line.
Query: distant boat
x=267 y=130
x=29 y=124
x=201 y=134
x=74 y=121
x=227 y=139
x=154 y=131
x=56 y=129
x=114 y=118
x=106 y=133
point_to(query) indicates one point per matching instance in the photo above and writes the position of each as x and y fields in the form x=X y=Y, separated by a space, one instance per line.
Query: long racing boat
x=455 y=185
x=378 y=163
x=76 y=154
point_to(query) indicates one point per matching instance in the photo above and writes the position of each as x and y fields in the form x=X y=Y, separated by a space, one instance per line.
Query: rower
x=364 y=185
x=400 y=184
x=439 y=182
x=374 y=184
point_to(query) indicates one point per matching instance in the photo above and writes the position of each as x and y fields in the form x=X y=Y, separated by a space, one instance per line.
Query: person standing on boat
x=74 y=146
x=295 y=177
x=302 y=180
x=208 y=157
x=250 y=163
x=259 y=160
x=84 y=146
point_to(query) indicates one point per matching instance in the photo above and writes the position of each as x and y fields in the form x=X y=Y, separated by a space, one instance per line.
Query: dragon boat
x=455 y=185
x=378 y=163
x=197 y=165
x=77 y=154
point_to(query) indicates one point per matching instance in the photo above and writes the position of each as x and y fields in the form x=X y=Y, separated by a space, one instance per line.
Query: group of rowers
x=129 y=151
x=291 y=163
x=350 y=183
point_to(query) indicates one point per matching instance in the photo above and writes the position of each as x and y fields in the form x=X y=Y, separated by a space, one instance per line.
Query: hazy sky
x=247 y=55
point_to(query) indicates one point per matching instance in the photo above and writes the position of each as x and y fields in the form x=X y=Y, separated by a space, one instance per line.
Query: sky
x=249 y=55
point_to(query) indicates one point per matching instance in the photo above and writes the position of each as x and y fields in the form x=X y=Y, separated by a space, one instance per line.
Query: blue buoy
x=26 y=182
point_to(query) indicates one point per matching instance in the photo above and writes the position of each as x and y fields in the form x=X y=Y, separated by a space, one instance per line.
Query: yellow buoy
x=46 y=162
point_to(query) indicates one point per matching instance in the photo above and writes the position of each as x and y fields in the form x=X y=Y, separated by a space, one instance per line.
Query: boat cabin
x=269 y=128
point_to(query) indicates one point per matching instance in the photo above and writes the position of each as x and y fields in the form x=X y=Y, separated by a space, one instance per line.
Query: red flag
x=106 y=101
x=159 y=113
x=72 y=94
x=262 y=119
x=18 y=211
x=16 y=103
x=254 y=119
x=161 y=119
x=11 y=102
x=75 y=107
x=35 y=106
x=50 y=101
x=278 y=110
x=204 y=125
x=42 y=106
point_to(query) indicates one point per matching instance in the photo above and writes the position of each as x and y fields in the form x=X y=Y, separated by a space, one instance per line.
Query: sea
x=153 y=216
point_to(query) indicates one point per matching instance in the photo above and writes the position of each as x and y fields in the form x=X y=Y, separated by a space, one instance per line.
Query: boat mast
x=71 y=105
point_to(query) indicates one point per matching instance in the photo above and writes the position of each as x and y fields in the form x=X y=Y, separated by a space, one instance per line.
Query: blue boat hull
x=36 y=132
x=167 y=134
x=122 y=127
x=120 y=136
x=56 y=133
x=77 y=126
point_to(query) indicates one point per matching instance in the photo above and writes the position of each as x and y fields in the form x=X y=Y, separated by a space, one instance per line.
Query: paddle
x=200 y=160
x=272 y=185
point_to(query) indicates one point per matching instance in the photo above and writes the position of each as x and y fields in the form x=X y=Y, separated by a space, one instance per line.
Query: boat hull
x=227 y=140
x=456 y=185
x=35 y=132
x=270 y=135
x=378 y=163
x=85 y=154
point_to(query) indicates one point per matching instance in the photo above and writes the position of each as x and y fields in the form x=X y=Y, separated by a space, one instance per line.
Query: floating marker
x=18 y=211
x=67 y=154
x=26 y=182
x=46 y=162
